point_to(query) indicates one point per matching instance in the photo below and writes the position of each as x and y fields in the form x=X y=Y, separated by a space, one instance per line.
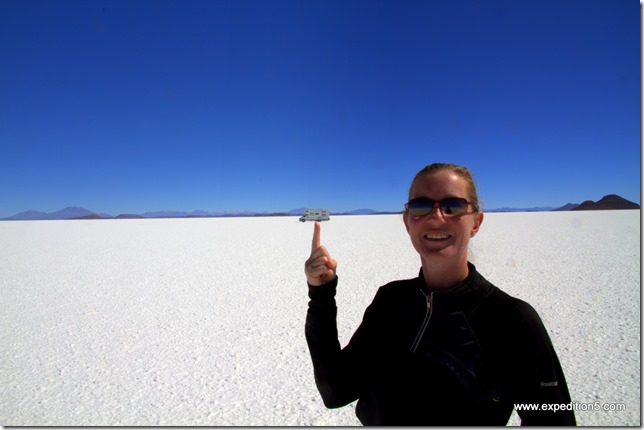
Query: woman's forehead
x=449 y=184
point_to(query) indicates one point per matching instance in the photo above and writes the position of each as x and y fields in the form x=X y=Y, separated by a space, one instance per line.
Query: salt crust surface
x=190 y=322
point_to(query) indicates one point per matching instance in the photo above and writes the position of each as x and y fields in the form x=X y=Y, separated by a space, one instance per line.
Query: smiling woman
x=445 y=348
x=441 y=239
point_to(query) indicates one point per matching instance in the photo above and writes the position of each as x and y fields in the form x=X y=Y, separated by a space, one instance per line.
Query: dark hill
x=609 y=202
x=567 y=207
x=90 y=216
x=128 y=216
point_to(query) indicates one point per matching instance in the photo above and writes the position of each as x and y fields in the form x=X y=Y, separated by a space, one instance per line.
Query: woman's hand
x=320 y=268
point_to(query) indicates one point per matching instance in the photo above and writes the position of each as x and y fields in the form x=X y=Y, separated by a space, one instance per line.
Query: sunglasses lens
x=453 y=207
x=449 y=207
x=420 y=207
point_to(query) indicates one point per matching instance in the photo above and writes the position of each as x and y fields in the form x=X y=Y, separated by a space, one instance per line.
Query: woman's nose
x=435 y=212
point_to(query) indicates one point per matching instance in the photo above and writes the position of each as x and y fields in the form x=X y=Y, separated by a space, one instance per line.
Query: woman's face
x=442 y=240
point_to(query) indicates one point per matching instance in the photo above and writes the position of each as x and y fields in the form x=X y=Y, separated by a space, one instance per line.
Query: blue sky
x=127 y=106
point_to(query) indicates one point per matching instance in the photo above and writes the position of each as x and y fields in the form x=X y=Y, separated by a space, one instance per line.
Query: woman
x=445 y=348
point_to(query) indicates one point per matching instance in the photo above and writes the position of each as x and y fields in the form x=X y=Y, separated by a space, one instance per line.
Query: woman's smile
x=437 y=237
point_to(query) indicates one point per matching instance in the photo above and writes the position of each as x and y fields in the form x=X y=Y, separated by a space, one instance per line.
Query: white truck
x=315 y=215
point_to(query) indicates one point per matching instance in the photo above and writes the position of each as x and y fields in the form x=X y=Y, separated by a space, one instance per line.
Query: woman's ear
x=477 y=224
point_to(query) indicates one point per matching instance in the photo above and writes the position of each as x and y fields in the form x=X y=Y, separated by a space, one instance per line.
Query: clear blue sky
x=127 y=106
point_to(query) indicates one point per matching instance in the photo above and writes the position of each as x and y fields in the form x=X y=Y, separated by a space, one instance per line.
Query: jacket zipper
x=423 y=327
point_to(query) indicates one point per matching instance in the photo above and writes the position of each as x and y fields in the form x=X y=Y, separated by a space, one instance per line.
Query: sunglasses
x=449 y=207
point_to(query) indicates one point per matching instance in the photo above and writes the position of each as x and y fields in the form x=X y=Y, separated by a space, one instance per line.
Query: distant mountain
x=300 y=212
x=296 y=212
x=567 y=207
x=82 y=213
x=240 y=213
x=200 y=213
x=28 y=215
x=534 y=209
x=164 y=214
x=359 y=212
x=67 y=213
x=90 y=216
x=609 y=202
x=71 y=212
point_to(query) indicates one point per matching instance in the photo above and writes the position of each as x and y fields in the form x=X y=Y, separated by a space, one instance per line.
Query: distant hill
x=358 y=212
x=90 y=216
x=200 y=214
x=297 y=212
x=67 y=213
x=82 y=213
x=533 y=209
x=300 y=212
x=567 y=207
x=165 y=214
x=28 y=215
x=609 y=202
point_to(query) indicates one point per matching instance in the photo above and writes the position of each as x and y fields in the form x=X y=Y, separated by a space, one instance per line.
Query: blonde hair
x=461 y=171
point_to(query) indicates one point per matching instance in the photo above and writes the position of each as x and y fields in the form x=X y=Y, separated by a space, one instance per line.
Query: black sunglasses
x=449 y=207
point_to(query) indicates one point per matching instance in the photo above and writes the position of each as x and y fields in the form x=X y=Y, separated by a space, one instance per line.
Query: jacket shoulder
x=512 y=307
x=398 y=288
x=515 y=318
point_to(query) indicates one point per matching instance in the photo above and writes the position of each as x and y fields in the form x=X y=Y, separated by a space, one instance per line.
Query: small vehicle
x=315 y=215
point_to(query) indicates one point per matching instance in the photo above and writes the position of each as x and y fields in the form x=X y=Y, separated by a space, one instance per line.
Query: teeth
x=437 y=236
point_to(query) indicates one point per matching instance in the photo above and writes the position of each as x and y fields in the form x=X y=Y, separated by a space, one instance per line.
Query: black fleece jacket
x=463 y=356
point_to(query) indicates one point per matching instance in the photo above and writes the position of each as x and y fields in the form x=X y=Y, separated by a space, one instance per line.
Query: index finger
x=316 y=237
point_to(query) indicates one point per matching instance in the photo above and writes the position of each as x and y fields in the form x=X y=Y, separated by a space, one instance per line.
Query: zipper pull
x=423 y=327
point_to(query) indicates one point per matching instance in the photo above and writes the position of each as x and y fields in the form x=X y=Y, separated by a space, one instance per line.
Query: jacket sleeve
x=540 y=378
x=337 y=371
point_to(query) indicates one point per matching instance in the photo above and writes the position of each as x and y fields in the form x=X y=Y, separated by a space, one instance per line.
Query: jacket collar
x=465 y=296
x=470 y=281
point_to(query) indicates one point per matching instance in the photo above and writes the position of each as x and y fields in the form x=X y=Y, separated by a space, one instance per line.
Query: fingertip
x=316 y=237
